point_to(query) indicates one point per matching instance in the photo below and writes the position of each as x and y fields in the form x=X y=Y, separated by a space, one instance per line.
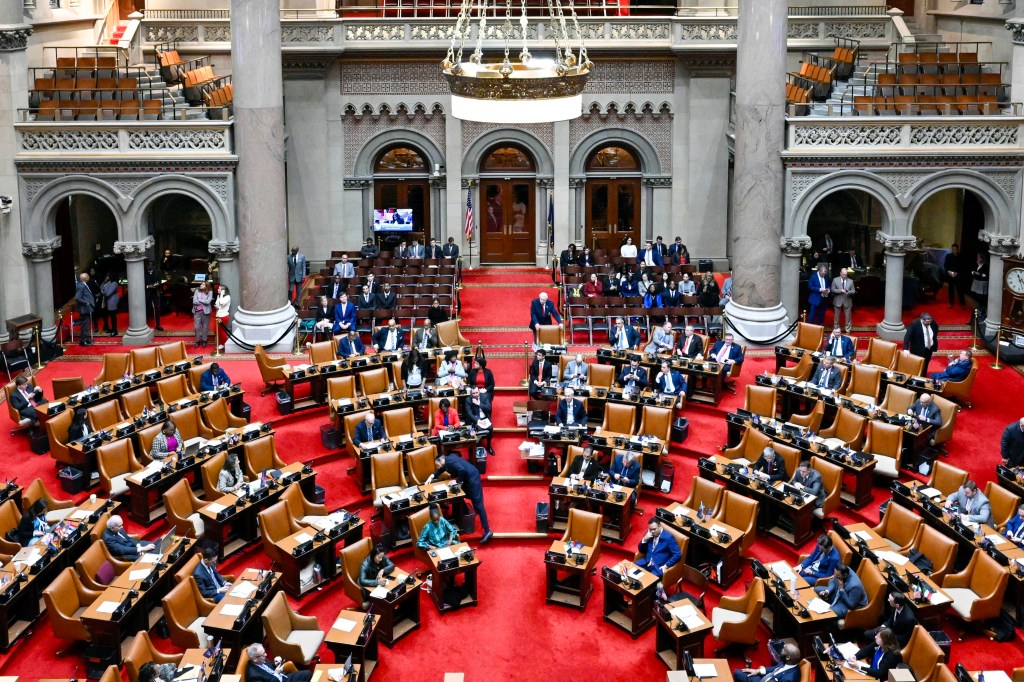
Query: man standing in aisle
x=86 y=302
x=1011 y=447
x=542 y=311
x=842 y=298
x=296 y=273
x=469 y=478
x=818 y=287
x=922 y=339
x=154 y=288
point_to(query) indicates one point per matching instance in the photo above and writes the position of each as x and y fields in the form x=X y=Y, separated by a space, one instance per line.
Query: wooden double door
x=507 y=220
x=612 y=212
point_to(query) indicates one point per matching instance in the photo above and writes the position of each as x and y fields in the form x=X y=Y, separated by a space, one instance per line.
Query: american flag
x=469 y=214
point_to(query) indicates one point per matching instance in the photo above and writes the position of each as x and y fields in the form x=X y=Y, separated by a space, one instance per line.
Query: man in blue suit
x=542 y=311
x=389 y=338
x=212 y=584
x=626 y=470
x=120 y=544
x=786 y=670
x=727 y=353
x=368 y=430
x=957 y=369
x=1015 y=526
x=659 y=549
x=624 y=336
x=826 y=376
x=633 y=376
x=213 y=378
x=344 y=315
x=844 y=592
x=839 y=346
x=649 y=256
x=350 y=345
x=818 y=286
x=822 y=562
x=571 y=411
x=670 y=381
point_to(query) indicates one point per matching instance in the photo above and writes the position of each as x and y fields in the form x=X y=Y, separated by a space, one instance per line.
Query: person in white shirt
x=628 y=250
x=223 y=312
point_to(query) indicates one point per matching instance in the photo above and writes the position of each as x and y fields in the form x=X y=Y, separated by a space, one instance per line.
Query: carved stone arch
x=474 y=154
x=372 y=149
x=1000 y=213
x=649 y=162
x=222 y=228
x=893 y=217
x=40 y=224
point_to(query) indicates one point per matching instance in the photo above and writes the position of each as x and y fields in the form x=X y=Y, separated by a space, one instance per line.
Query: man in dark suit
x=649 y=256
x=567 y=257
x=633 y=377
x=450 y=250
x=296 y=273
x=901 y=619
x=1011 y=445
x=770 y=466
x=344 y=315
x=262 y=669
x=826 y=375
x=120 y=544
x=389 y=338
x=368 y=430
x=809 y=480
x=958 y=368
x=926 y=411
x=367 y=300
x=425 y=337
x=662 y=248
x=571 y=411
x=336 y=288
x=25 y=397
x=954 y=274
x=659 y=549
x=839 y=346
x=350 y=344
x=86 y=302
x=786 y=670
x=541 y=371
x=434 y=251
x=585 y=466
x=690 y=345
x=478 y=412
x=726 y=352
x=212 y=584
x=369 y=250
x=468 y=477
x=676 y=251
x=818 y=290
x=542 y=311
x=922 y=338
x=625 y=470
x=623 y=336
x=844 y=592
x=669 y=381
x=387 y=299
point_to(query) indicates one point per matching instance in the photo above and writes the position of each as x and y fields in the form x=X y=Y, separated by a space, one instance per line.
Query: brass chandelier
x=528 y=89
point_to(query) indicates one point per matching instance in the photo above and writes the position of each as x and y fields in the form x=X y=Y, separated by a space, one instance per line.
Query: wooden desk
x=568 y=583
x=675 y=636
x=629 y=605
x=368 y=449
x=786 y=622
x=16 y=325
x=613 y=503
x=241 y=630
x=399 y=615
x=827 y=667
x=701 y=548
x=448 y=577
x=395 y=518
x=302 y=548
x=332 y=672
x=722 y=671
x=704 y=380
x=359 y=640
x=203 y=667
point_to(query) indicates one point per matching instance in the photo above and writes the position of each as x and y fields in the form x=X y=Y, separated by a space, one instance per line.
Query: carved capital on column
x=40 y=251
x=576 y=183
x=999 y=244
x=794 y=246
x=438 y=181
x=895 y=246
x=1016 y=29
x=665 y=181
x=14 y=38
x=546 y=183
x=224 y=250
x=133 y=250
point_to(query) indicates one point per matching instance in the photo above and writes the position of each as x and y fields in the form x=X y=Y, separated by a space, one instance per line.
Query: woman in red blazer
x=445 y=408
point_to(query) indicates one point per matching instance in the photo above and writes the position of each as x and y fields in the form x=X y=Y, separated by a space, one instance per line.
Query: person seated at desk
x=79 y=429
x=821 y=563
x=1015 y=526
x=770 y=466
x=214 y=378
x=344 y=315
x=373 y=572
x=660 y=550
x=368 y=430
x=478 y=413
x=542 y=371
x=482 y=377
x=211 y=583
x=414 y=369
x=25 y=397
x=260 y=668
x=901 y=619
x=577 y=372
x=624 y=336
x=727 y=353
x=451 y=372
x=167 y=443
x=437 y=314
x=844 y=592
x=369 y=250
x=878 y=658
x=971 y=504
x=344 y=268
x=690 y=345
x=585 y=467
x=367 y=299
x=633 y=377
x=350 y=345
x=593 y=287
x=446 y=418
x=437 y=532
x=425 y=337
x=687 y=287
x=120 y=544
x=33 y=524
x=652 y=299
x=230 y=477
x=827 y=375
x=839 y=346
x=390 y=338
x=808 y=480
x=926 y=411
x=786 y=670
x=957 y=370
x=625 y=471
x=157 y=672
x=571 y=411
x=661 y=340
x=669 y=381
x=335 y=288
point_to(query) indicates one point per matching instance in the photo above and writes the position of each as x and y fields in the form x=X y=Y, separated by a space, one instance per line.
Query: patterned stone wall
x=656 y=128
x=359 y=130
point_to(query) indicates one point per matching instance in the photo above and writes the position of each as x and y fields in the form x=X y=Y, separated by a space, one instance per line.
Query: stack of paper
x=215 y=508
x=848 y=649
x=379 y=592
x=930 y=493
x=243 y=590
x=303 y=537
x=995 y=539
x=445 y=553
x=741 y=461
x=344 y=624
x=231 y=610
x=80 y=515
x=705 y=670
x=108 y=607
x=819 y=606
x=150 y=558
x=140 y=574
x=892 y=557
x=782 y=570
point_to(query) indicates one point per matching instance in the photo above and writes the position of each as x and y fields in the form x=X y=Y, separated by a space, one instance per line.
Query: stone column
x=755 y=312
x=139 y=333
x=1016 y=29
x=264 y=314
x=227 y=265
x=999 y=246
x=792 y=252
x=41 y=256
x=891 y=328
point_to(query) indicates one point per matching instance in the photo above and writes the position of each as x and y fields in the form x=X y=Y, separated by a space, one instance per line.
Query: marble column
x=891 y=328
x=755 y=312
x=264 y=314
x=792 y=253
x=1016 y=29
x=999 y=246
x=139 y=333
x=226 y=254
x=40 y=254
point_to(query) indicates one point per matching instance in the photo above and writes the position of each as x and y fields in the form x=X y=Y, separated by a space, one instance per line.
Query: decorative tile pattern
x=388 y=78
x=471 y=130
x=632 y=77
x=656 y=129
x=359 y=130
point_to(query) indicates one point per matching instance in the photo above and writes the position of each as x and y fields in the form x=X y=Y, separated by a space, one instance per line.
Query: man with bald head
x=542 y=311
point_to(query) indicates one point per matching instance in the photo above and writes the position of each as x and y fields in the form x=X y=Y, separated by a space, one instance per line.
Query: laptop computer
x=192 y=445
x=166 y=542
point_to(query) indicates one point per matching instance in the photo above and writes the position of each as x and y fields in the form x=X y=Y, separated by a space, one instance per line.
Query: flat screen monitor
x=392 y=220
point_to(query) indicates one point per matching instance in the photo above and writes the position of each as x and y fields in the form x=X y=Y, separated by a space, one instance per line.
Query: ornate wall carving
x=895 y=246
x=379 y=77
x=182 y=33
x=359 y=130
x=471 y=130
x=1016 y=29
x=656 y=129
x=307 y=33
x=40 y=251
x=902 y=183
x=719 y=32
x=14 y=39
x=218 y=34
x=645 y=31
x=856 y=29
x=848 y=135
x=798 y=183
x=177 y=140
x=134 y=250
x=964 y=135
x=1007 y=181
x=802 y=30
x=432 y=31
x=633 y=77
x=794 y=246
x=70 y=140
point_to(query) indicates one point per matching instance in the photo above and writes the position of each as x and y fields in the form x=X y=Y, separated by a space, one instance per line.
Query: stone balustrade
x=192 y=139
x=884 y=135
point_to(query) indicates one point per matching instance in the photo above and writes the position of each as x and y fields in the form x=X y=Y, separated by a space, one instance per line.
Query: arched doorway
x=508 y=210
x=401 y=180
x=947 y=217
x=182 y=229
x=88 y=229
x=612 y=211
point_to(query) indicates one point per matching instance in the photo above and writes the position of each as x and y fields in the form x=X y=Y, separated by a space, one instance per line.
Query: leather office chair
x=136 y=400
x=898 y=399
x=349 y=422
x=885 y=442
x=183 y=507
x=341 y=387
x=115 y=366
x=322 y=352
x=172 y=352
x=142 y=652
x=908 y=363
x=386 y=475
x=185 y=611
x=706 y=492
x=298 y=506
x=419 y=462
x=396 y=375
x=938 y=548
x=801 y=371
x=922 y=655
x=449 y=334
x=65 y=386
x=10 y=517
x=243 y=661
x=275 y=525
x=944 y=674
x=790 y=456
x=104 y=416
x=977 y=591
x=809 y=337
x=550 y=334
x=947 y=478
x=92 y=560
x=144 y=359
x=1004 y=504
x=173 y=389
x=190 y=423
x=291 y=636
x=219 y=418
x=189 y=567
x=272 y=370
x=21 y=423
x=735 y=620
x=195 y=376
x=750 y=447
x=601 y=376
x=899 y=526
x=351 y=559
x=876 y=589
x=400 y=422
x=434 y=404
x=960 y=391
x=618 y=419
x=115 y=462
x=261 y=455
x=761 y=400
x=739 y=512
x=674 y=573
x=96 y=534
x=585 y=527
x=949 y=411
x=881 y=353
x=66 y=598
x=846 y=429
x=55 y=509
x=832 y=482
x=374 y=381
x=209 y=471
x=806 y=670
x=417 y=521
x=811 y=420
x=571 y=454
x=655 y=421
x=865 y=384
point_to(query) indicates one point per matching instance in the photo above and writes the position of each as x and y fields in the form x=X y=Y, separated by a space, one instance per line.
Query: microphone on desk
x=74 y=675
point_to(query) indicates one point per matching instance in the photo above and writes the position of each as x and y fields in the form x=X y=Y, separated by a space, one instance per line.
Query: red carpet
x=512 y=633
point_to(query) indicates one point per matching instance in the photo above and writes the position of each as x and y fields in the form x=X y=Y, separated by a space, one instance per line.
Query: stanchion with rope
x=757 y=342
x=999 y=339
x=250 y=347
x=974 y=333
x=526 y=351
x=39 y=350
x=216 y=347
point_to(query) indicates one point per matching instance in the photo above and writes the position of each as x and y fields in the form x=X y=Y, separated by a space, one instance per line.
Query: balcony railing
x=120 y=139
x=862 y=135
